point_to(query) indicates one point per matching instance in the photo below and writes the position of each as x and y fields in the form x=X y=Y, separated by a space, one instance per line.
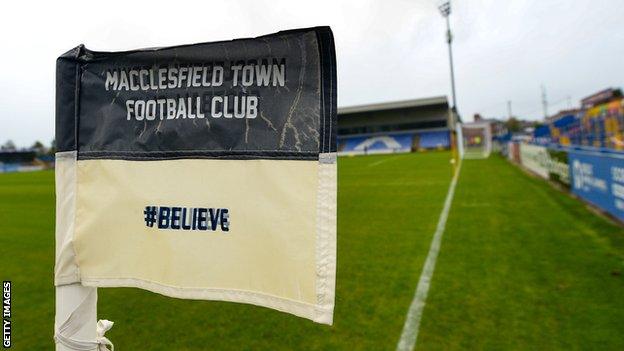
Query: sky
x=387 y=50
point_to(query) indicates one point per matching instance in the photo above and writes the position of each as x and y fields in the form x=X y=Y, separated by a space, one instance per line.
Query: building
x=400 y=126
x=602 y=97
x=19 y=161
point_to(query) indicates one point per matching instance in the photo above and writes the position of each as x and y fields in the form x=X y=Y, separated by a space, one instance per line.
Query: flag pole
x=75 y=322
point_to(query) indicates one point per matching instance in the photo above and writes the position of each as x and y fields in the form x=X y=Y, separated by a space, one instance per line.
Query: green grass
x=522 y=266
x=388 y=208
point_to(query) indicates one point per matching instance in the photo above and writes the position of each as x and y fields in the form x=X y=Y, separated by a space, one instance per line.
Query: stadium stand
x=401 y=126
x=598 y=123
x=376 y=144
x=434 y=140
x=19 y=161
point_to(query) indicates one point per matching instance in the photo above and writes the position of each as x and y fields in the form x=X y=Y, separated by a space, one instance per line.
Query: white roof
x=436 y=100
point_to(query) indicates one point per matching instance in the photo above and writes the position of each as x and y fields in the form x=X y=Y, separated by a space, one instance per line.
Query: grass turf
x=522 y=266
x=388 y=209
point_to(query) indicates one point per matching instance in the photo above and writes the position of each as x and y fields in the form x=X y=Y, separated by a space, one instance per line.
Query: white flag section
x=203 y=171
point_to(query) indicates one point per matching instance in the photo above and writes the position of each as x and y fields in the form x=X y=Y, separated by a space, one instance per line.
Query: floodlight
x=445 y=8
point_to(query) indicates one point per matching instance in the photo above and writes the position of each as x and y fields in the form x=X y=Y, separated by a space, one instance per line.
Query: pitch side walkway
x=523 y=266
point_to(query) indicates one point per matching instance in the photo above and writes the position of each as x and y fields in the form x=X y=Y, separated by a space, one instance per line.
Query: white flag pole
x=76 y=326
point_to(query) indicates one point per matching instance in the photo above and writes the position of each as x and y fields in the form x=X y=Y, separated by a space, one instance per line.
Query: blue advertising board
x=599 y=179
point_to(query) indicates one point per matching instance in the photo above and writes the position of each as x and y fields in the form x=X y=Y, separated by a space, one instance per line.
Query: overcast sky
x=387 y=50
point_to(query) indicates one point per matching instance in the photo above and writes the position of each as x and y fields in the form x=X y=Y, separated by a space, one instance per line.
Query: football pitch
x=521 y=266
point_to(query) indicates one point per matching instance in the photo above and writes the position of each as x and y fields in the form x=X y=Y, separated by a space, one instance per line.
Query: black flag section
x=239 y=99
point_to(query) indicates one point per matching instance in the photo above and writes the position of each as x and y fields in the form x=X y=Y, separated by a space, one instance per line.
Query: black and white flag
x=203 y=171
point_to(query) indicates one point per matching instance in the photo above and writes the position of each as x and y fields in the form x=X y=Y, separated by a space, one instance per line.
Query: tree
x=39 y=147
x=513 y=125
x=9 y=145
x=52 y=149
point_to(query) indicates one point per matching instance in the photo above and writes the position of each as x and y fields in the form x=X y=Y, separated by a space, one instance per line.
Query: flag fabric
x=203 y=171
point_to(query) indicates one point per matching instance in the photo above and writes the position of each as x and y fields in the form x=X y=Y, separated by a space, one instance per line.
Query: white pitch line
x=414 y=314
x=383 y=160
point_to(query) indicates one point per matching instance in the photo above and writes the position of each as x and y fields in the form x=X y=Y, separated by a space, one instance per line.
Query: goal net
x=474 y=140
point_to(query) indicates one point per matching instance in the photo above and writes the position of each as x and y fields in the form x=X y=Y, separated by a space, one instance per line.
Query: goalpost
x=474 y=140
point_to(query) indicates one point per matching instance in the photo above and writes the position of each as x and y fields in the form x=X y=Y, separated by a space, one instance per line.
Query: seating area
x=21 y=161
x=394 y=143
x=379 y=144
x=434 y=140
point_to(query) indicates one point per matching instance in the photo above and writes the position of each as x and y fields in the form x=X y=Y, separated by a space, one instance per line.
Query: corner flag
x=203 y=171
